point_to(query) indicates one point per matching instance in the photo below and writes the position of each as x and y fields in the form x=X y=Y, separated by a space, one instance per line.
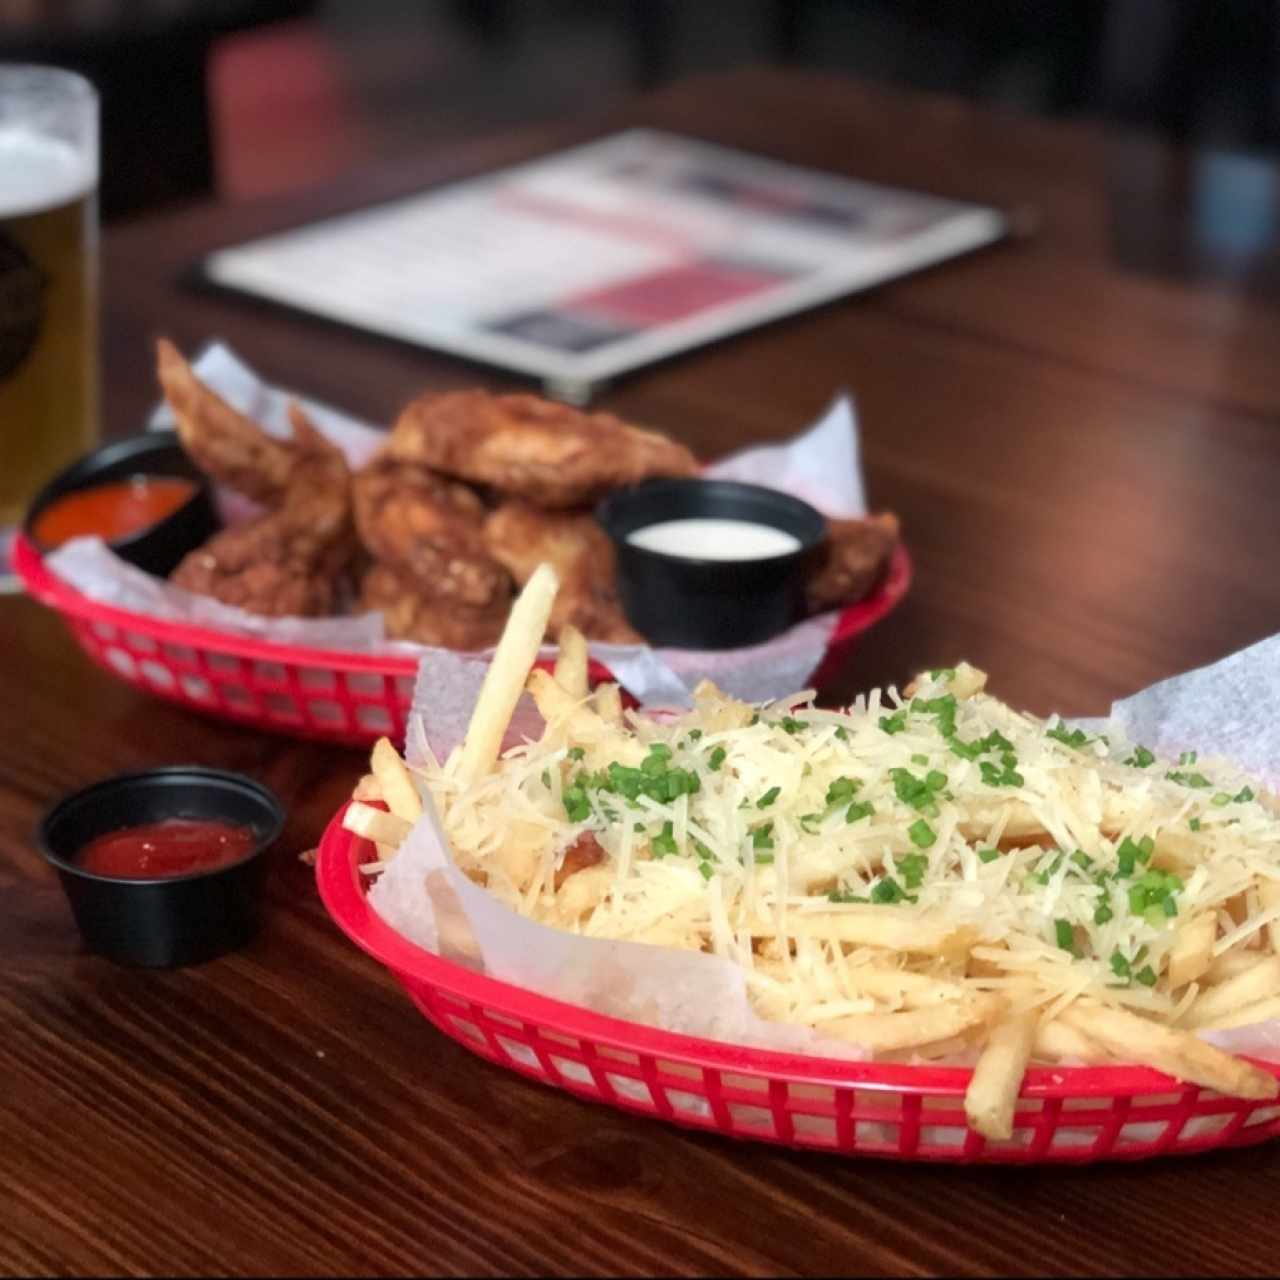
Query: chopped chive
x=1076 y=738
x=1141 y=758
x=1065 y=934
x=845 y=895
x=576 y=753
x=894 y=723
x=576 y=804
x=664 y=842
x=988 y=855
x=921 y=834
x=1243 y=796
x=768 y=798
x=1194 y=824
x=889 y=890
x=911 y=867
x=842 y=790
x=1146 y=975
x=716 y=759
x=858 y=810
x=1196 y=780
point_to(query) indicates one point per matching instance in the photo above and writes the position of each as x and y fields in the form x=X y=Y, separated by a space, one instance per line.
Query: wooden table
x=1080 y=431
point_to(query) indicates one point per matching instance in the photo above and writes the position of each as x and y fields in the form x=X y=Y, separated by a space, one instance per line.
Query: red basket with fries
x=1063 y=1114
x=310 y=693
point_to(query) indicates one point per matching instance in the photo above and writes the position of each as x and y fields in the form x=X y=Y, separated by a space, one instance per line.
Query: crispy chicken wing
x=522 y=537
x=851 y=560
x=430 y=529
x=412 y=612
x=286 y=562
x=527 y=447
x=222 y=442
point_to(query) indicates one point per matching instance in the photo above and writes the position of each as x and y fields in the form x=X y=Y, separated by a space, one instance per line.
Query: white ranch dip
x=711 y=538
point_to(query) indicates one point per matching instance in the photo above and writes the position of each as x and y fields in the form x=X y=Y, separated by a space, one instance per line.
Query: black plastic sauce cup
x=698 y=603
x=165 y=921
x=159 y=546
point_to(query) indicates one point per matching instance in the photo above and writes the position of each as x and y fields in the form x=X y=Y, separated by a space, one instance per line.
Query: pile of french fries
x=907 y=983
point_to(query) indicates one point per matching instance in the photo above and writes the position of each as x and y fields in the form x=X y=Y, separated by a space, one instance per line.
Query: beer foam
x=38 y=172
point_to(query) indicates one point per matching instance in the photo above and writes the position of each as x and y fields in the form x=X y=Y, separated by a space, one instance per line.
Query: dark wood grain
x=1083 y=441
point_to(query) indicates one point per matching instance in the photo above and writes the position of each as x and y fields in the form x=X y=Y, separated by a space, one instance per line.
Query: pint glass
x=48 y=281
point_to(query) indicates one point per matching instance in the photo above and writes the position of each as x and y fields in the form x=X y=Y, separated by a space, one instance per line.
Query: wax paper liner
x=821 y=465
x=1230 y=709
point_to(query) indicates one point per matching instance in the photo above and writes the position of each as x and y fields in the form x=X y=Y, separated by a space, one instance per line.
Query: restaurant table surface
x=1080 y=431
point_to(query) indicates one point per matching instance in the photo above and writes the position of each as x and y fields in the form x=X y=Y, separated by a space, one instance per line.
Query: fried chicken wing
x=411 y=612
x=288 y=561
x=851 y=561
x=223 y=443
x=526 y=447
x=429 y=528
x=522 y=537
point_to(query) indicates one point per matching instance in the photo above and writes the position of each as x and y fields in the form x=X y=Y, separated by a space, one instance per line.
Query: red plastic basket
x=1065 y=1114
x=311 y=693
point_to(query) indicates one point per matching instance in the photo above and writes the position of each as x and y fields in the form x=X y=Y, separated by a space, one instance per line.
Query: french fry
x=1269 y=898
x=1055 y=1040
x=887 y=1032
x=964 y=683
x=910 y=990
x=556 y=704
x=967 y=681
x=1254 y=984
x=922 y=935
x=571 y=662
x=375 y=824
x=368 y=789
x=504 y=681
x=1192 y=950
x=1231 y=963
x=997 y=1078
x=1246 y=1015
x=1177 y=1053
x=395 y=781
x=608 y=703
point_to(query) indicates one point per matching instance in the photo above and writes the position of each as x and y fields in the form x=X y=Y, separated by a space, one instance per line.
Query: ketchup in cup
x=165 y=867
x=172 y=847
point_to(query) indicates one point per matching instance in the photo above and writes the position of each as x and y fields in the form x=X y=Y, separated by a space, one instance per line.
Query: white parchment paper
x=822 y=464
x=1230 y=709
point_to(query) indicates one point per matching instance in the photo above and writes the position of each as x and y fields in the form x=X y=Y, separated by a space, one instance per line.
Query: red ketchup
x=173 y=847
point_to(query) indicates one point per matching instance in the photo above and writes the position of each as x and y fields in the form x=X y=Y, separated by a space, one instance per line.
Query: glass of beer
x=48 y=282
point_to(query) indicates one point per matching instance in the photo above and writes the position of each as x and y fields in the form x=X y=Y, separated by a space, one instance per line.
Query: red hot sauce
x=172 y=847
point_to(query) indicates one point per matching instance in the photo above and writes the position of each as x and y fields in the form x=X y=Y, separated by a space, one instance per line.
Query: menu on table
x=594 y=261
